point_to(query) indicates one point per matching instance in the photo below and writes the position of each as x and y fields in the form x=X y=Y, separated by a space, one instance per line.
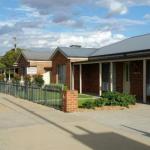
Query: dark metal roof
x=130 y=45
x=76 y=51
x=134 y=44
x=37 y=55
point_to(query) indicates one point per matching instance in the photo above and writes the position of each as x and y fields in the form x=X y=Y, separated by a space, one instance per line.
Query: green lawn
x=82 y=98
x=85 y=96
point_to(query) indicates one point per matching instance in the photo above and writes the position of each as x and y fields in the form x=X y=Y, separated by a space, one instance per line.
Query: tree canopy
x=10 y=58
x=2 y=65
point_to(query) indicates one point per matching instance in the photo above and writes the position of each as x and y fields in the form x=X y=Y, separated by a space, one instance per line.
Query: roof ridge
x=123 y=40
x=76 y=47
x=76 y=51
x=126 y=45
x=96 y=49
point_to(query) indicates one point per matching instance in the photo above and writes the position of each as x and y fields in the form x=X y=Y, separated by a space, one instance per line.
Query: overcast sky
x=52 y=23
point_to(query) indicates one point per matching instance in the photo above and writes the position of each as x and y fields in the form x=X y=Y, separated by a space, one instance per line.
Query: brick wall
x=76 y=78
x=136 y=79
x=90 y=78
x=41 y=65
x=22 y=63
x=70 y=101
x=119 y=76
x=60 y=59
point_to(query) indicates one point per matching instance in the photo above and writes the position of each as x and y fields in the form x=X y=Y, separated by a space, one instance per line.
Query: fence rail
x=51 y=95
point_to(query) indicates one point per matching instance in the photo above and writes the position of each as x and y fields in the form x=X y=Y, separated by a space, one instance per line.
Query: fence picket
x=51 y=96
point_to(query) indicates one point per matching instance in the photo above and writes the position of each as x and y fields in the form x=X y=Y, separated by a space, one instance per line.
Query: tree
x=10 y=57
x=2 y=65
x=38 y=80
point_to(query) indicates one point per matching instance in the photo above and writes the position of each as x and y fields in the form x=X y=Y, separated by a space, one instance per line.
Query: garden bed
x=106 y=108
x=108 y=101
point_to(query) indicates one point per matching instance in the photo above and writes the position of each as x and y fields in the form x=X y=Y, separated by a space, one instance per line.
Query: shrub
x=127 y=99
x=38 y=80
x=27 y=79
x=89 y=104
x=101 y=102
x=108 y=99
x=111 y=95
x=57 y=86
x=16 y=78
x=2 y=77
x=65 y=88
x=120 y=99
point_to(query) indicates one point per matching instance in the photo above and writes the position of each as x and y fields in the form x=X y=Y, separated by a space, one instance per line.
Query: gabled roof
x=78 y=52
x=37 y=55
x=130 y=45
x=134 y=44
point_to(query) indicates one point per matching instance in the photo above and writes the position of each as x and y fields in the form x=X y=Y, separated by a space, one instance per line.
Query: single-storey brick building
x=123 y=67
x=36 y=60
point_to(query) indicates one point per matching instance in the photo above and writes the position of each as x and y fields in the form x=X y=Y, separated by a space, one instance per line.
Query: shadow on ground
x=143 y=132
x=95 y=141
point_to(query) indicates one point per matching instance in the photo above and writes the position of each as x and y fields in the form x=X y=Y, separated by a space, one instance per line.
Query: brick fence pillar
x=70 y=101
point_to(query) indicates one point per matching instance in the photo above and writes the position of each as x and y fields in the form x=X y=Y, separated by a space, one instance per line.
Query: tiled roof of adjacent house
x=76 y=51
x=37 y=55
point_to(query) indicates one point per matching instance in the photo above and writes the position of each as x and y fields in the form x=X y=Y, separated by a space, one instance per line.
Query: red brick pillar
x=70 y=101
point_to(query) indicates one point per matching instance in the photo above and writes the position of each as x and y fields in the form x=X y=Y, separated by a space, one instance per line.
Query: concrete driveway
x=134 y=121
x=28 y=126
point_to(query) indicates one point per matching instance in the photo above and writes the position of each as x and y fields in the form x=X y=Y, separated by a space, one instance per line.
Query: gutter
x=121 y=55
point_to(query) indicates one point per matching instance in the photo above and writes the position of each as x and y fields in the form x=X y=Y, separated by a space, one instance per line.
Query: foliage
x=27 y=79
x=2 y=65
x=38 y=80
x=121 y=99
x=16 y=78
x=2 y=77
x=101 y=102
x=86 y=101
x=10 y=57
x=81 y=101
x=65 y=88
x=89 y=104
x=111 y=95
x=109 y=99
x=61 y=86
x=85 y=96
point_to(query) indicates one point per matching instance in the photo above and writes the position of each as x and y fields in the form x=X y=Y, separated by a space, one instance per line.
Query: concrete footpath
x=28 y=126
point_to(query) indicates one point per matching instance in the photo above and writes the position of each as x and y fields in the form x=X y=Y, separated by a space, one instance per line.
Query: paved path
x=28 y=126
x=135 y=121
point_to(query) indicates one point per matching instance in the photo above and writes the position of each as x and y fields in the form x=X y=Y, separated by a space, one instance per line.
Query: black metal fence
x=51 y=95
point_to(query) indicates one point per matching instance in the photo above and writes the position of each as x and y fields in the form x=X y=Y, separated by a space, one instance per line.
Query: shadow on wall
x=95 y=141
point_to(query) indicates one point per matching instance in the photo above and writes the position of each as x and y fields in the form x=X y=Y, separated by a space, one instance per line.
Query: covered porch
x=9 y=73
x=125 y=76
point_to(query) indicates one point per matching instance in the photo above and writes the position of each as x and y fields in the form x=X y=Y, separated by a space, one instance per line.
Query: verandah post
x=100 y=79
x=72 y=73
x=144 y=81
x=80 y=78
x=111 y=76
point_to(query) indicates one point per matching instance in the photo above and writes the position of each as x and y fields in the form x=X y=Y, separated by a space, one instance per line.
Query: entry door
x=126 y=78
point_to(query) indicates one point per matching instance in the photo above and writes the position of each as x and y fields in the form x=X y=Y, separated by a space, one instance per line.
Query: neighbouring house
x=32 y=62
x=122 y=67
x=62 y=63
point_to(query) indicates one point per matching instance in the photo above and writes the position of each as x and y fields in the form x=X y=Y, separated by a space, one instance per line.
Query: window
x=61 y=71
